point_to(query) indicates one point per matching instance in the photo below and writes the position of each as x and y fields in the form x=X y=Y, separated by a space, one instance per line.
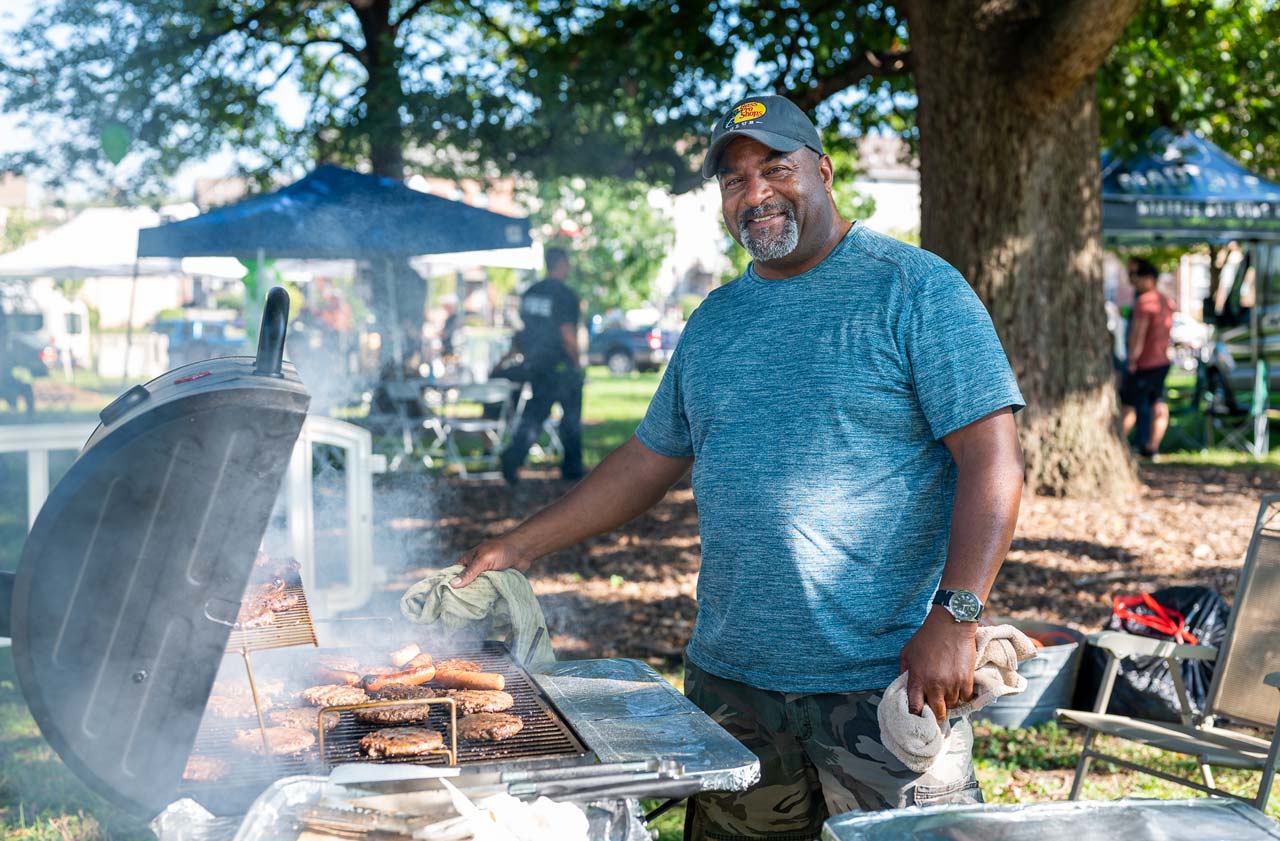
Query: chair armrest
x=1272 y=679
x=1124 y=645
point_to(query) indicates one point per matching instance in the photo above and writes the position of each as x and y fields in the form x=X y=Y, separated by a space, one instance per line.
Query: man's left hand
x=940 y=659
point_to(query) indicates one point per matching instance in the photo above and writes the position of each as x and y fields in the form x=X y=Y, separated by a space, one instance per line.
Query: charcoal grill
x=129 y=583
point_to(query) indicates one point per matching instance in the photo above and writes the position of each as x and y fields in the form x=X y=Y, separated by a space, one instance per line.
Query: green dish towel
x=497 y=605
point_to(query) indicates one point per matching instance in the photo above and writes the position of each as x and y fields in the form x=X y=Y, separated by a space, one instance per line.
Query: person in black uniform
x=549 y=344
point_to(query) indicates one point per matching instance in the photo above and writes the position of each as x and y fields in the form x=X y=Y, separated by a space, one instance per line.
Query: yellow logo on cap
x=745 y=112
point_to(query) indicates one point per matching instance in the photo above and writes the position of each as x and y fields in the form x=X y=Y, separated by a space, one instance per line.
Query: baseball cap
x=775 y=121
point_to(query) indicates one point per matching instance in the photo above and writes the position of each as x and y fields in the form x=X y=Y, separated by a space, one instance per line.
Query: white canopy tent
x=103 y=242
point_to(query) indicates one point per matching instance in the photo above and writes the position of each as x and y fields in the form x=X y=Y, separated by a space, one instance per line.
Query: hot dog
x=404 y=654
x=326 y=675
x=404 y=677
x=423 y=659
x=469 y=680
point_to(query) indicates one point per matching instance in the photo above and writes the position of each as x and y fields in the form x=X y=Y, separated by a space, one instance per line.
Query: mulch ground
x=631 y=593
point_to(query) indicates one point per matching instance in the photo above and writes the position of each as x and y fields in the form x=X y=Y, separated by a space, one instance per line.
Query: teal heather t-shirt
x=814 y=409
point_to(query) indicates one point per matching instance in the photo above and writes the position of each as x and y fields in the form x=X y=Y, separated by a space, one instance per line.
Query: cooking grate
x=545 y=736
x=287 y=628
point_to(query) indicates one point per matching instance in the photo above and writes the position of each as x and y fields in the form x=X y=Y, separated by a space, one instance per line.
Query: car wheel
x=620 y=362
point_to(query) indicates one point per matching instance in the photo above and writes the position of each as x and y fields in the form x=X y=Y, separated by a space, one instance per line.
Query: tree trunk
x=383 y=92
x=1010 y=189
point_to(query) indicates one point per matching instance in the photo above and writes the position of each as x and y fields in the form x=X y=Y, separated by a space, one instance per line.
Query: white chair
x=461 y=415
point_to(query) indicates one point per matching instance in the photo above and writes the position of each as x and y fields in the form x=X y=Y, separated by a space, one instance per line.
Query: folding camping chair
x=1245 y=428
x=458 y=419
x=1244 y=690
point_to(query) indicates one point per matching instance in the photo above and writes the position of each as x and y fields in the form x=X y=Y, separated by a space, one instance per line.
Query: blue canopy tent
x=1181 y=188
x=335 y=213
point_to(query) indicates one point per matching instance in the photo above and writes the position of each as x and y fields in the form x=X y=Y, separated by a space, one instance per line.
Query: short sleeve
x=665 y=427
x=958 y=367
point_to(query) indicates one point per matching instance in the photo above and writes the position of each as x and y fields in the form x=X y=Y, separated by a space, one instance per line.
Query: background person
x=847 y=410
x=1142 y=387
x=550 y=312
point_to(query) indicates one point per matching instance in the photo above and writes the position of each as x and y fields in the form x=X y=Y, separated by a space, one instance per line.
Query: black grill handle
x=275 y=323
x=6 y=603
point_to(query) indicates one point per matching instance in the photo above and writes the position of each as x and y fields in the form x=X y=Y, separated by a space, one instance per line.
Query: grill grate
x=287 y=628
x=545 y=736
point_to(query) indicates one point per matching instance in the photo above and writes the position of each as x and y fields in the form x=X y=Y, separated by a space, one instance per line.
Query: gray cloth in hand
x=497 y=605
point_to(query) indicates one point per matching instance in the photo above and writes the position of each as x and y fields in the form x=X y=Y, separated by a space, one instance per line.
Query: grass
x=40 y=799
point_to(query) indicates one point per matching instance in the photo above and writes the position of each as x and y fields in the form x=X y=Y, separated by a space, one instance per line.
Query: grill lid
x=132 y=575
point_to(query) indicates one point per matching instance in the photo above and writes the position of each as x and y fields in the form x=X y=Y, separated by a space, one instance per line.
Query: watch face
x=965 y=605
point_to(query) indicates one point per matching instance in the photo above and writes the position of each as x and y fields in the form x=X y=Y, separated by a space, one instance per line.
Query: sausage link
x=405 y=677
x=470 y=680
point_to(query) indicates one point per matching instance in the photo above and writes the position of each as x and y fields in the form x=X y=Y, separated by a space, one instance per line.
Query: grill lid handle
x=275 y=322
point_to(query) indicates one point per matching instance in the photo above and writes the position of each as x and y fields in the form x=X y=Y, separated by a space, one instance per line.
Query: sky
x=13 y=13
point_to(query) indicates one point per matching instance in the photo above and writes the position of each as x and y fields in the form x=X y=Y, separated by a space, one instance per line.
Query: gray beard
x=772 y=247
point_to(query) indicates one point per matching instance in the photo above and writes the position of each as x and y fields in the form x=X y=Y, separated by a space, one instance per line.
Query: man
x=549 y=343
x=1148 y=364
x=833 y=402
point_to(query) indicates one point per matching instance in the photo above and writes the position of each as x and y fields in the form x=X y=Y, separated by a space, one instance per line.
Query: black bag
x=1144 y=687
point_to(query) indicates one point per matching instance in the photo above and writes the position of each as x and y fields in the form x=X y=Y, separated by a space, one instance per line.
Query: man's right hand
x=490 y=556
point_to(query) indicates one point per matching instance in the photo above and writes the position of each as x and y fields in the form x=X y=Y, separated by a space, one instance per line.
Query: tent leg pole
x=128 y=327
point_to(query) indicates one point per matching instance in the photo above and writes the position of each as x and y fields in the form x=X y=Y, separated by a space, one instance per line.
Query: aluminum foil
x=1205 y=819
x=625 y=711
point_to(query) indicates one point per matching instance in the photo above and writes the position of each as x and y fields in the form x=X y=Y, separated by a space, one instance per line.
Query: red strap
x=1164 y=620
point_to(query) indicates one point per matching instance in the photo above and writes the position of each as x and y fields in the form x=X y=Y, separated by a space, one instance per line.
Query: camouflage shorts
x=820 y=755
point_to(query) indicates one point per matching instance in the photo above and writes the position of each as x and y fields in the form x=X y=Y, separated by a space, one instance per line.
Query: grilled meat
x=400 y=741
x=404 y=677
x=469 y=680
x=489 y=727
x=205 y=769
x=481 y=701
x=404 y=654
x=235 y=706
x=283 y=740
x=302 y=718
x=396 y=692
x=334 y=696
x=254 y=614
x=287 y=600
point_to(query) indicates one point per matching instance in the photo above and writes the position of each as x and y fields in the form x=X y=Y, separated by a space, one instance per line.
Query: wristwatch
x=964 y=605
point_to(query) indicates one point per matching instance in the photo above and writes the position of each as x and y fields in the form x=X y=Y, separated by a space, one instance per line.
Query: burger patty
x=254 y=614
x=283 y=601
x=400 y=692
x=283 y=740
x=205 y=769
x=334 y=695
x=489 y=727
x=481 y=700
x=457 y=666
x=303 y=718
x=400 y=741
x=235 y=706
x=406 y=714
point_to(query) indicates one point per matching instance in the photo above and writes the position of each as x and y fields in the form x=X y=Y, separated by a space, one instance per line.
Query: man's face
x=776 y=205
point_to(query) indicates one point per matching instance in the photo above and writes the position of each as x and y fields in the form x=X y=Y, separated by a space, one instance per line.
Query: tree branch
x=871 y=63
x=347 y=47
x=497 y=29
x=1065 y=45
x=417 y=6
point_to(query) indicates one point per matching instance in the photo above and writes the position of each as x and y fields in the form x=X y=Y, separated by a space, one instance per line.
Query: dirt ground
x=632 y=593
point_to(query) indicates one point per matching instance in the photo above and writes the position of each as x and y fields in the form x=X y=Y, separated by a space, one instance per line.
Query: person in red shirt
x=1148 y=362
